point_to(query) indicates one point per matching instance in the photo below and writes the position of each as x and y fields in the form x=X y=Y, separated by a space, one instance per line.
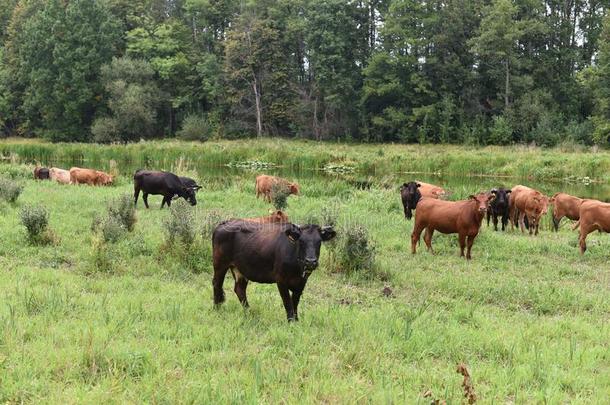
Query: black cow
x=161 y=183
x=499 y=207
x=285 y=254
x=409 y=192
x=188 y=182
x=41 y=173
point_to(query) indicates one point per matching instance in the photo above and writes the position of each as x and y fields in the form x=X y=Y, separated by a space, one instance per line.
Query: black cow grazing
x=409 y=192
x=161 y=183
x=188 y=182
x=285 y=254
x=41 y=173
x=499 y=207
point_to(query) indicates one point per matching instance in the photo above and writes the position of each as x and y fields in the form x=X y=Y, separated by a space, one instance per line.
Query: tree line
x=452 y=71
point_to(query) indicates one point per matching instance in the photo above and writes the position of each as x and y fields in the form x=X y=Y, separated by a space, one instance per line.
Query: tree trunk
x=257 y=97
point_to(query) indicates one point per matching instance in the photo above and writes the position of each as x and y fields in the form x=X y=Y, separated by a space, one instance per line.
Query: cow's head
x=294 y=188
x=482 y=200
x=278 y=216
x=409 y=192
x=308 y=239
x=188 y=193
x=501 y=197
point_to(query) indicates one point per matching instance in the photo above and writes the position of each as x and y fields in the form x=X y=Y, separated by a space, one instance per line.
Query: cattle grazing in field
x=264 y=186
x=41 y=173
x=59 y=175
x=461 y=217
x=273 y=218
x=89 y=176
x=161 y=183
x=284 y=254
x=527 y=203
x=565 y=205
x=191 y=183
x=594 y=216
x=499 y=207
x=410 y=196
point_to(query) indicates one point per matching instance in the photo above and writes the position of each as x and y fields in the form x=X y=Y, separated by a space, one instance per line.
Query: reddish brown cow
x=565 y=205
x=273 y=218
x=594 y=216
x=89 y=176
x=461 y=217
x=530 y=203
x=265 y=183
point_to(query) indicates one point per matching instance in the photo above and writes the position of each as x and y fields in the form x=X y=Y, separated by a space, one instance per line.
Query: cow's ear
x=418 y=185
x=327 y=233
x=494 y=190
x=293 y=233
x=509 y=191
x=472 y=197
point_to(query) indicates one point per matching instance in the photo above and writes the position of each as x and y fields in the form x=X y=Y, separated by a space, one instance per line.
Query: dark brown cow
x=461 y=217
x=594 y=216
x=89 y=176
x=41 y=173
x=265 y=183
x=285 y=254
x=273 y=218
x=527 y=202
x=565 y=205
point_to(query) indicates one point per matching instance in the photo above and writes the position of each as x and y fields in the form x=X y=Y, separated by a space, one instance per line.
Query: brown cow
x=89 y=176
x=461 y=217
x=273 y=218
x=265 y=183
x=430 y=190
x=565 y=205
x=527 y=202
x=59 y=175
x=594 y=215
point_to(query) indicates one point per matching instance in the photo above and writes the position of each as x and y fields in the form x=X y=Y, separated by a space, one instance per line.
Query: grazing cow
x=461 y=217
x=594 y=215
x=41 y=173
x=89 y=176
x=285 y=254
x=59 y=175
x=273 y=218
x=527 y=203
x=410 y=195
x=565 y=205
x=265 y=183
x=499 y=207
x=161 y=183
x=188 y=182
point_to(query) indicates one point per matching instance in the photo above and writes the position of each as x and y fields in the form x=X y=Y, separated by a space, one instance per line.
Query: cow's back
x=595 y=212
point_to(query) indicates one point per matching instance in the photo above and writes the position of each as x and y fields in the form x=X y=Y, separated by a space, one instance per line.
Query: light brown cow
x=527 y=202
x=265 y=183
x=59 y=175
x=430 y=190
x=461 y=217
x=275 y=217
x=565 y=205
x=89 y=176
x=594 y=216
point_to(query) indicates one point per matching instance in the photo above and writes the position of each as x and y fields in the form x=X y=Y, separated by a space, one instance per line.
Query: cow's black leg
x=136 y=194
x=504 y=221
x=296 y=297
x=495 y=219
x=220 y=271
x=285 y=293
x=556 y=223
x=145 y=198
x=241 y=283
x=488 y=216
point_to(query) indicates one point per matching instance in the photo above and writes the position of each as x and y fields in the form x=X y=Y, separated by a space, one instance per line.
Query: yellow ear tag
x=291 y=239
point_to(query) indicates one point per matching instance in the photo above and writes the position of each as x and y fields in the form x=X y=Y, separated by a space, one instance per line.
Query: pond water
x=458 y=185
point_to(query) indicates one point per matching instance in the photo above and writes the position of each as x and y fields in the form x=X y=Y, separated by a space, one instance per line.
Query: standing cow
x=565 y=205
x=461 y=217
x=89 y=176
x=499 y=207
x=527 y=203
x=161 y=183
x=284 y=254
x=413 y=191
x=594 y=216
x=59 y=175
x=264 y=186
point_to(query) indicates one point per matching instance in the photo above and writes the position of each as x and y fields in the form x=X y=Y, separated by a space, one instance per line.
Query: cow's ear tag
x=291 y=239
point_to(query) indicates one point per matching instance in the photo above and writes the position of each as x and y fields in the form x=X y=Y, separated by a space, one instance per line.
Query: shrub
x=279 y=196
x=35 y=219
x=195 y=128
x=501 y=132
x=180 y=225
x=123 y=211
x=111 y=229
x=10 y=190
x=358 y=253
x=210 y=220
x=105 y=130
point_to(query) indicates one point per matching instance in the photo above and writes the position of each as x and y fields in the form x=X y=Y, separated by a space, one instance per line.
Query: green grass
x=529 y=316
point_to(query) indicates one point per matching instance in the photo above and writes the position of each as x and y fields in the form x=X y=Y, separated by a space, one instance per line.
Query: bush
x=210 y=220
x=358 y=253
x=122 y=209
x=279 y=196
x=195 y=128
x=105 y=130
x=501 y=132
x=111 y=229
x=10 y=190
x=35 y=219
x=180 y=225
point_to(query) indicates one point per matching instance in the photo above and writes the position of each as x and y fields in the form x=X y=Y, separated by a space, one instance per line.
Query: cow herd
x=270 y=249
x=522 y=206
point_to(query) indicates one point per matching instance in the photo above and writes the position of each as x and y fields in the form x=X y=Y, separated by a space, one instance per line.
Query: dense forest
x=452 y=71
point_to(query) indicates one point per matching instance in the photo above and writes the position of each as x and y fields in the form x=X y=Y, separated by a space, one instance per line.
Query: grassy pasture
x=528 y=315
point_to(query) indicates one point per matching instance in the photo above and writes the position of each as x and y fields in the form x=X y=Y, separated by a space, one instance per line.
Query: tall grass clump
x=279 y=196
x=10 y=190
x=209 y=221
x=180 y=226
x=35 y=219
x=119 y=220
x=358 y=251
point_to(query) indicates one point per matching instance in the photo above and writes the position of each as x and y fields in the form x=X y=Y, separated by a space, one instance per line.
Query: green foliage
x=209 y=221
x=279 y=196
x=35 y=219
x=501 y=132
x=180 y=226
x=357 y=251
x=195 y=128
x=10 y=190
x=123 y=210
